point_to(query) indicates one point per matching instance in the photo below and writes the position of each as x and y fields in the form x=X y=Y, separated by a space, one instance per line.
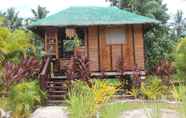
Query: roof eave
x=91 y=24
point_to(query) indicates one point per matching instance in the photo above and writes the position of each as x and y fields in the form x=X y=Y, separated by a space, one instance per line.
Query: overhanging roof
x=86 y=16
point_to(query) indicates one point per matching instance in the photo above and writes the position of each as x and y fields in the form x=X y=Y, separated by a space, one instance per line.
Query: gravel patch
x=141 y=113
x=50 y=112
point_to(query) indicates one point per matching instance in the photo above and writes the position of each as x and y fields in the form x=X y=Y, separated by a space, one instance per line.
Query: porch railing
x=45 y=72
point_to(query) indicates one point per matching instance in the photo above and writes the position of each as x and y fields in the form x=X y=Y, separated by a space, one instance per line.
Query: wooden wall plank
x=129 y=54
x=86 y=42
x=116 y=56
x=139 y=46
x=57 y=44
x=110 y=55
x=93 y=48
x=105 y=61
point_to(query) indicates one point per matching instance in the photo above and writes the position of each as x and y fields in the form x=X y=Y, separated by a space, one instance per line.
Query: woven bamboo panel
x=139 y=49
x=116 y=56
x=105 y=57
x=93 y=48
x=129 y=50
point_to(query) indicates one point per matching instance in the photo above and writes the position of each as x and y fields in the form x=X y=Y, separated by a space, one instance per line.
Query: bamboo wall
x=103 y=56
x=106 y=57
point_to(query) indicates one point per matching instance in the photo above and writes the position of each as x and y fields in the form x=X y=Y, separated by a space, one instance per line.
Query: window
x=71 y=39
x=115 y=36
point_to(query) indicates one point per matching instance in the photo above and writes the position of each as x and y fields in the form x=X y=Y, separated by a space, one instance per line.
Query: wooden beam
x=116 y=73
x=98 y=38
x=143 y=28
x=133 y=44
x=57 y=44
x=45 y=42
x=87 y=34
x=111 y=58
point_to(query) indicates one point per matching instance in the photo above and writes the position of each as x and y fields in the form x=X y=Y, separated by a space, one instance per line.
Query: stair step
x=56 y=102
x=56 y=96
x=59 y=77
x=56 y=87
x=55 y=82
x=55 y=91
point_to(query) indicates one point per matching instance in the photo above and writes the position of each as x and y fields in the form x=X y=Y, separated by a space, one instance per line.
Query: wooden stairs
x=53 y=84
x=56 y=91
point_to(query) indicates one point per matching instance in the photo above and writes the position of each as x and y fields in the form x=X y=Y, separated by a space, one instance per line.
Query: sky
x=24 y=6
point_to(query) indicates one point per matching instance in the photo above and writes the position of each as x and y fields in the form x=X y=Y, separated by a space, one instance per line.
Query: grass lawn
x=115 y=110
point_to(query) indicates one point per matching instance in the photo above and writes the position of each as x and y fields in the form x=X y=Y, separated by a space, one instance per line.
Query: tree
x=13 y=44
x=151 y=8
x=2 y=21
x=179 y=23
x=158 y=43
x=2 y=13
x=40 y=12
x=12 y=19
x=181 y=58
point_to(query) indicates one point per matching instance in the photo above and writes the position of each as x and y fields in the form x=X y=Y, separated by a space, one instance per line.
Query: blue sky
x=24 y=6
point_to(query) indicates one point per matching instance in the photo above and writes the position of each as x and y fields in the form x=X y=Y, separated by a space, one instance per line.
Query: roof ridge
x=93 y=7
x=93 y=15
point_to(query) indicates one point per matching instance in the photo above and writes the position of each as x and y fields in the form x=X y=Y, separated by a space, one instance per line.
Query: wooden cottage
x=105 y=35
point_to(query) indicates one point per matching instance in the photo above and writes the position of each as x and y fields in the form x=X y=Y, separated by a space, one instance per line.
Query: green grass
x=112 y=110
x=115 y=110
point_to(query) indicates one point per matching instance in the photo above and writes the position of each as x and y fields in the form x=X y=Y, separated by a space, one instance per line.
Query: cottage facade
x=108 y=36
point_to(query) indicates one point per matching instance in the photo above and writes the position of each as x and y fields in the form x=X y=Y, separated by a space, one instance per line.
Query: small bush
x=181 y=58
x=4 y=103
x=134 y=92
x=103 y=91
x=179 y=93
x=81 y=101
x=152 y=88
x=78 y=69
x=23 y=98
x=15 y=73
x=85 y=101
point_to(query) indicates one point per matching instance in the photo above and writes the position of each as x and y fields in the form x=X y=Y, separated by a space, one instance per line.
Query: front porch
x=61 y=44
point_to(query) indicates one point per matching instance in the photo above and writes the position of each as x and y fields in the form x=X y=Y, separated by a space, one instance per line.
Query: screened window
x=115 y=37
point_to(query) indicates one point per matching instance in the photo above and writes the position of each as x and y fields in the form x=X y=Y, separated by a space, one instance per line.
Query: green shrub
x=24 y=97
x=181 y=58
x=134 y=92
x=152 y=88
x=4 y=103
x=81 y=101
x=85 y=102
x=179 y=93
x=13 y=44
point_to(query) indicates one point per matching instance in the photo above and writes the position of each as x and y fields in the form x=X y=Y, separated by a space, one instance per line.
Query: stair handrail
x=46 y=65
x=45 y=72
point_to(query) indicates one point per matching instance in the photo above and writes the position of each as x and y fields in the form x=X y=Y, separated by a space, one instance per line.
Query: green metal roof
x=85 y=16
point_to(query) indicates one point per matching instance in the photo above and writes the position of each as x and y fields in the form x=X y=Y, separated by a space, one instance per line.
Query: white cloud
x=24 y=6
x=174 y=5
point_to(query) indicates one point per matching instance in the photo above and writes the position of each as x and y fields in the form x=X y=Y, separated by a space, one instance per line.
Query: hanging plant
x=70 y=45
